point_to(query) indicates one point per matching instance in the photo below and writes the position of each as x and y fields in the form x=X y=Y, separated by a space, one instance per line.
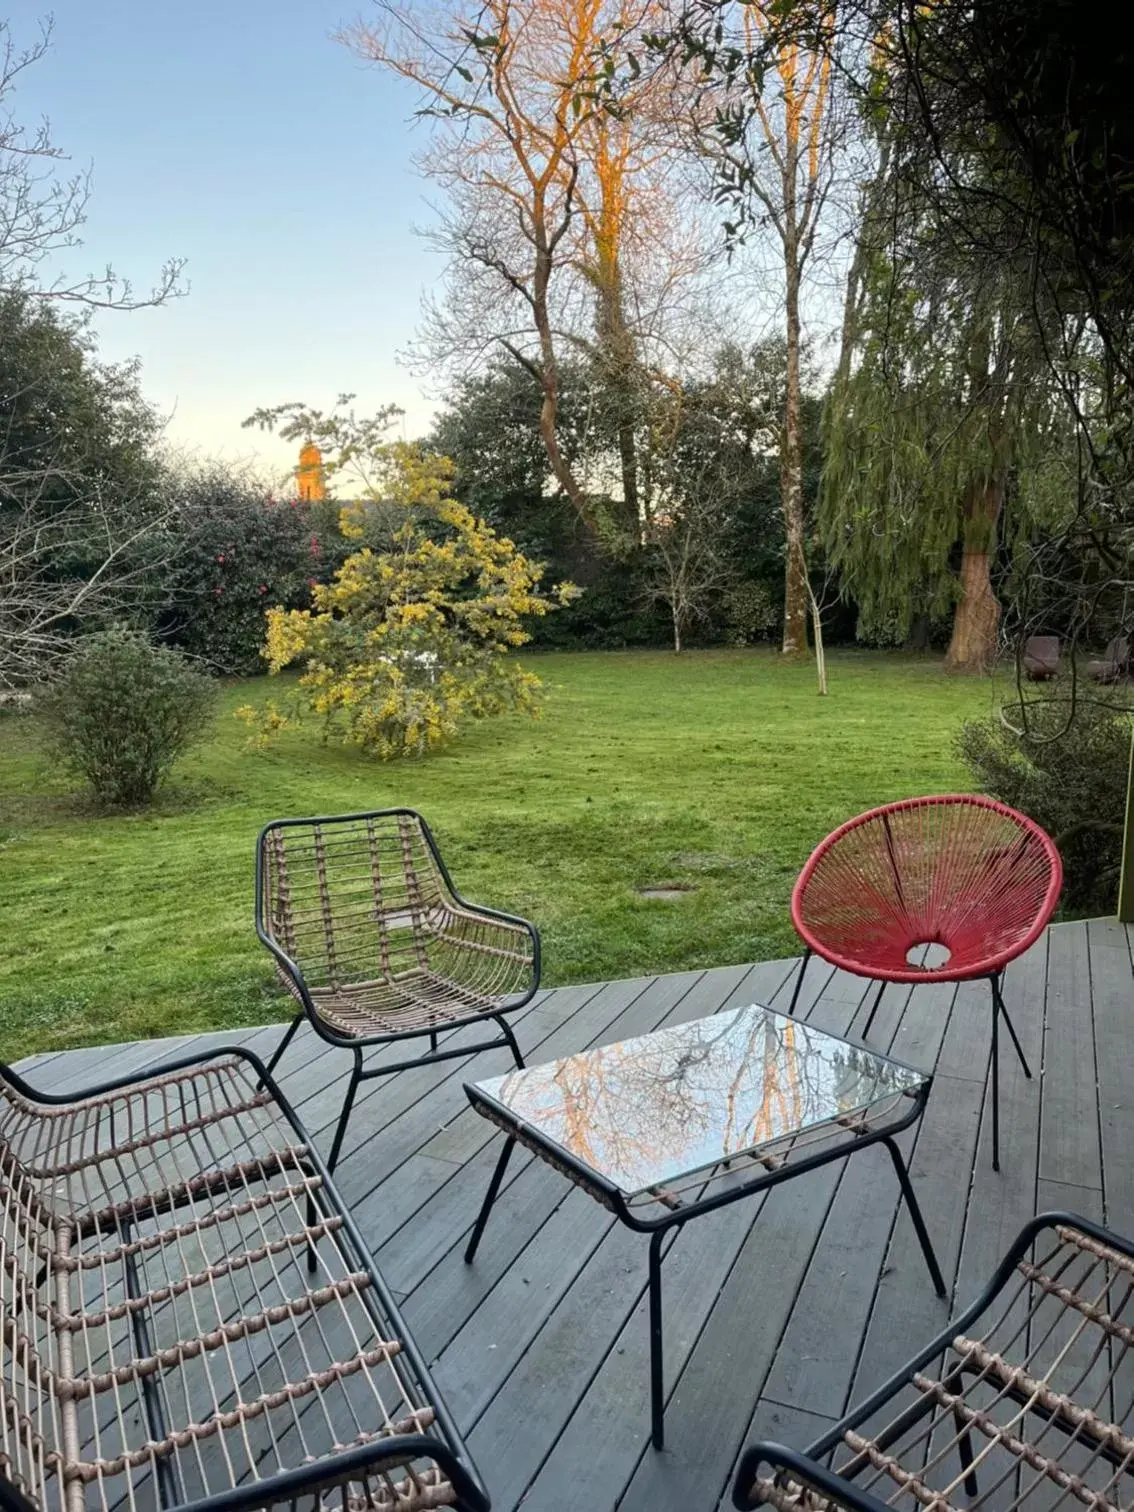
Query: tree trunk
x=676 y=633
x=620 y=362
x=549 y=376
x=791 y=471
x=918 y=637
x=817 y=633
x=548 y=422
x=972 y=646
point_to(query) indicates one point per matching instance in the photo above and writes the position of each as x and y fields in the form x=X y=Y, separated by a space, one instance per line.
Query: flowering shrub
x=238 y=550
x=408 y=643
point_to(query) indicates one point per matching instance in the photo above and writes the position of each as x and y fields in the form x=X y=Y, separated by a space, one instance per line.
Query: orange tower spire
x=310 y=473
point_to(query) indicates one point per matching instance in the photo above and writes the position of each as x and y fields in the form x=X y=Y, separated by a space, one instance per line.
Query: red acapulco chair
x=959 y=871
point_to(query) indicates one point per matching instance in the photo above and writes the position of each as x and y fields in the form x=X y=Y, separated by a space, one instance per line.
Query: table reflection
x=647 y=1111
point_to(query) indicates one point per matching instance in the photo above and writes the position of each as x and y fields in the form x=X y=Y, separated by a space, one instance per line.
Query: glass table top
x=649 y=1111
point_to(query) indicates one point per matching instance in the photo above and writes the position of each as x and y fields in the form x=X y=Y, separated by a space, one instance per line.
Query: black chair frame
x=446 y=1447
x=811 y=1467
x=357 y=1045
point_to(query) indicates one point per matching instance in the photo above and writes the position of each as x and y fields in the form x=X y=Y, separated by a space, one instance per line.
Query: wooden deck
x=778 y=1310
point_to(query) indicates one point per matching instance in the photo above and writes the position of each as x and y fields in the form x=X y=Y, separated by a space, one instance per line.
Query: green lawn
x=719 y=769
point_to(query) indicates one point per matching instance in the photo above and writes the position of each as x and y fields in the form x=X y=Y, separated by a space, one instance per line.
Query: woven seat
x=1025 y=1400
x=959 y=876
x=375 y=944
x=188 y=1312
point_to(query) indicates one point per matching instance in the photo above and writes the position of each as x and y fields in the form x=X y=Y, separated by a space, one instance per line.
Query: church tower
x=309 y=473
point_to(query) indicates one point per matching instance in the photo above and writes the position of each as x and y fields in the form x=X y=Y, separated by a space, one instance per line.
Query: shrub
x=239 y=550
x=752 y=611
x=121 y=713
x=408 y=643
x=406 y=646
x=1065 y=763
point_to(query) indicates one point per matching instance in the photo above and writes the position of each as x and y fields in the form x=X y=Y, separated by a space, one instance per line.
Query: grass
x=719 y=770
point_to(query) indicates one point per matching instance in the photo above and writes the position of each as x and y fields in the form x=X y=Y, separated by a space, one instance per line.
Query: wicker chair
x=375 y=943
x=1041 y=657
x=190 y=1318
x=959 y=872
x=1024 y=1400
x=1114 y=663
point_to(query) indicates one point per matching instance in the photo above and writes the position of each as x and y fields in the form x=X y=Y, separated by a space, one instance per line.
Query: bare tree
x=686 y=532
x=506 y=82
x=775 y=141
x=80 y=512
x=63 y=567
x=42 y=212
x=551 y=148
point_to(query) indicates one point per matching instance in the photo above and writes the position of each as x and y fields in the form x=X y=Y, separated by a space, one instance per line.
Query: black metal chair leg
x=803 y=960
x=312 y=1219
x=998 y=1007
x=283 y=1044
x=489 y=1199
x=348 y=1103
x=506 y=1030
x=874 y=1010
x=914 y=1211
x=965 y=1450
x=657 y=1388
x=995 y=1073
x=170 y=1493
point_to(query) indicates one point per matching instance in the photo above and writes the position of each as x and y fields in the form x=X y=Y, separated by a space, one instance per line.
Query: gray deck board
x=779 y=1311
x=1113 y=1006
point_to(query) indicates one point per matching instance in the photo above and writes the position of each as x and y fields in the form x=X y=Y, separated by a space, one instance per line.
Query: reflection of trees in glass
x=648 y=1110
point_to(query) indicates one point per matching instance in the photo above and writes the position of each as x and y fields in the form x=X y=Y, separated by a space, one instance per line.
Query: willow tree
x=942 y=427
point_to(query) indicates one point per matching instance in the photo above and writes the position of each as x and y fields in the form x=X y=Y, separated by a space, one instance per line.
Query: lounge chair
x=1041 y=657
x=190 y=1316
x=959 y=875
x=1114 y=661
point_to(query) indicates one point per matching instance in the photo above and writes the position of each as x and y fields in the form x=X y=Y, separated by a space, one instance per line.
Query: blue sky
x=240 y=136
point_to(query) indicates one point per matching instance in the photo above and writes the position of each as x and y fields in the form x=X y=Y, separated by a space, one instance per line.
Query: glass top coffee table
x=667 y=1126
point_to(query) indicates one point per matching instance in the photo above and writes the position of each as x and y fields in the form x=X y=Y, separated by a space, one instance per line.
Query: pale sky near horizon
x=241 y=137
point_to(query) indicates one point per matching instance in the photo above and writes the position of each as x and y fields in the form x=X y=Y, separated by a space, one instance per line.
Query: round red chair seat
x=959 y=871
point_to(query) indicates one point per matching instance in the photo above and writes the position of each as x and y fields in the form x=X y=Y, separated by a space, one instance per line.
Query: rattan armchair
x=374 y=942
x=1025 y=1400
x=190 y=1318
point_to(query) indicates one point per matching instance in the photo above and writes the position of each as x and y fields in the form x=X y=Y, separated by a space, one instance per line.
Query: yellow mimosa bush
x=411 y=638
